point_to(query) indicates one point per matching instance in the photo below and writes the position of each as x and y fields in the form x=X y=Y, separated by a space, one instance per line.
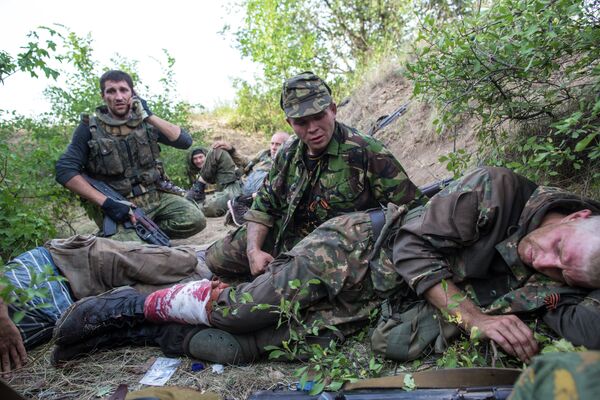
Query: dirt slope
x=411 y=137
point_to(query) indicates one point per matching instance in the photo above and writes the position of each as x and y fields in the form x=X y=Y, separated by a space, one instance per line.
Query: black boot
x=92 y=316
x=170 y=337
x=237 y=208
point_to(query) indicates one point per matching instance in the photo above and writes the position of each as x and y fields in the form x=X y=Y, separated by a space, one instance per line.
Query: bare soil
x=411 y=139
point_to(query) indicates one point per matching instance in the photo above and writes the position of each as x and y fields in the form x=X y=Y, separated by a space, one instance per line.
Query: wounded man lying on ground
x=517 y=250
x=81 y=266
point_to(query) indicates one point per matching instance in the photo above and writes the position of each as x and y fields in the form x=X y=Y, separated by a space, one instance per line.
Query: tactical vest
x=124 y=155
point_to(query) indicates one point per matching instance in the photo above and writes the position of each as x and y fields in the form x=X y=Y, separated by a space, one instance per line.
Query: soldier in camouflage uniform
x=560 y=376
x=488 y=236
x=329 y=169
x=216 y=167
x=233 y=173
x=475 y=234
x=119 y=145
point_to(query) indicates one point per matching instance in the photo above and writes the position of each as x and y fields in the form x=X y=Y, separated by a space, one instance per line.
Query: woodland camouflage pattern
x=303 y=95
x=356 y=172
x=337 y=255
x=560 y=376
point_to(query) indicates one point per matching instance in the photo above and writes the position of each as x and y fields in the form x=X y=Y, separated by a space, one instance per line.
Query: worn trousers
x=178 y=217
x=93 y=265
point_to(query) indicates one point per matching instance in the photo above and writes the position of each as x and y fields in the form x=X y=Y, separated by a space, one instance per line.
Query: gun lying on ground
x=145 y=228
x=433 y=188
x=483 y=393
x=450 y=384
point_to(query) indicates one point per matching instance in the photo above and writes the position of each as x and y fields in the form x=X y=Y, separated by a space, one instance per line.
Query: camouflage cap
x=304 y=94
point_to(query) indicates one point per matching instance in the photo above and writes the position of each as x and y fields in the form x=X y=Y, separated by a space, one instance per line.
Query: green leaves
x=528 y=63
x=36 y=56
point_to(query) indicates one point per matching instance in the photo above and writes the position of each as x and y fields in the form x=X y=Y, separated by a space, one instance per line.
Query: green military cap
x=304 y=94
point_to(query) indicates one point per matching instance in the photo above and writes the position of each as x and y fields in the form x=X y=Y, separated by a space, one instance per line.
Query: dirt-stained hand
x=258 y=261
x=512 y=334
x=12 y=351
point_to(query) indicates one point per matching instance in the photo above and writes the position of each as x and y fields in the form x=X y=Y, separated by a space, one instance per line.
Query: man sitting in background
x=220 y=165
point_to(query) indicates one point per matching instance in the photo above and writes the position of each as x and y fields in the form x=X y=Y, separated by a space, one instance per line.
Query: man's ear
x=585 y=213
x=333 y=108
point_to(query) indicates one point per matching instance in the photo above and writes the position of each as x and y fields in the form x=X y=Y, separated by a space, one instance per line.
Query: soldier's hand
x=258 y=261
x=221 y=144
x=508 y=331
x=116 y=210
x=140 y=108
x=12 y=351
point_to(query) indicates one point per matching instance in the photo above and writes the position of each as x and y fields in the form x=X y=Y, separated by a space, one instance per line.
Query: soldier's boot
x=197 y=192
x=169 y=337
x=91 y=316
x=237 y=209
x=216 y=345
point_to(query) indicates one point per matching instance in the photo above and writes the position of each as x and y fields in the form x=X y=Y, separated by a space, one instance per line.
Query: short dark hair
x=115 y=76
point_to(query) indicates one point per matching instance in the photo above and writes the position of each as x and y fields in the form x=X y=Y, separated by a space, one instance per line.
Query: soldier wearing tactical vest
x=119 y=145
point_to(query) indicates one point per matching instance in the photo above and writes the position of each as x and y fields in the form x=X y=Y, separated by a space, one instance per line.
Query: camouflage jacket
x=219 y=168
x=355 y=172
x=468 y=233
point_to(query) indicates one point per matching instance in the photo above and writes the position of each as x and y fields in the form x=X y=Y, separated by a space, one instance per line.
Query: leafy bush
x=30 y=201
x=520 y=61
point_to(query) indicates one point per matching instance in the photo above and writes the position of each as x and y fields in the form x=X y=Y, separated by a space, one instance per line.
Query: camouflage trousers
x=178 y=217
x=227 y=257
x=327 y=274
x=93 y=265
x=560 y=376
x=215 y=204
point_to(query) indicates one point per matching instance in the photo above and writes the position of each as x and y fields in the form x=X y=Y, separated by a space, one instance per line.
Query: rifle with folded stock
x=145 y=228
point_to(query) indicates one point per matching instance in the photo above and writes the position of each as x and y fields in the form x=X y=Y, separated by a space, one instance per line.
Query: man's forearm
x=169 y=130
x=512 y=334
x=80 y=186
x=454 y=301
x=256 y=235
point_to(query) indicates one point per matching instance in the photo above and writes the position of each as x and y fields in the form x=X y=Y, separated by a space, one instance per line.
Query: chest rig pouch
x=124 y=154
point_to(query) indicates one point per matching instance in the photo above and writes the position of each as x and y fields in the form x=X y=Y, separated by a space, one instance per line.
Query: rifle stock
x=145 y=228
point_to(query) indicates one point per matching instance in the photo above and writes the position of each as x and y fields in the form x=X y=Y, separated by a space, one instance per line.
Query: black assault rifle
x=385 y=120
x=482 y=393
x=447 y=384
x=433 y=188
x=145 y=228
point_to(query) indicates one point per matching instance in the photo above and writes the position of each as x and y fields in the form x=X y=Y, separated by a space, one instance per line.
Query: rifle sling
x=443 y=378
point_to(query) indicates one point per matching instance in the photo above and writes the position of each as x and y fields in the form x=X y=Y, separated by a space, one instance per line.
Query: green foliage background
x=32 y=204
